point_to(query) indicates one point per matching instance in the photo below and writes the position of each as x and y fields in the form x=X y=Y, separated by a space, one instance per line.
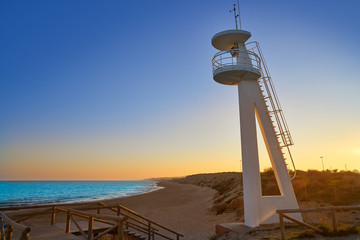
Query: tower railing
x=229 y=58
x=274 y=108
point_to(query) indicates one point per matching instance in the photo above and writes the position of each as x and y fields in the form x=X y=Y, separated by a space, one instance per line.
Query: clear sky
x=124 y=90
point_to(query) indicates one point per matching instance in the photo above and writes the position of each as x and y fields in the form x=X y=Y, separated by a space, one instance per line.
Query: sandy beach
x=184 y=208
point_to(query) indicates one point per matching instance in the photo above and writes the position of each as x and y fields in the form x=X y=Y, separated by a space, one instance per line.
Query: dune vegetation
x=330 y=187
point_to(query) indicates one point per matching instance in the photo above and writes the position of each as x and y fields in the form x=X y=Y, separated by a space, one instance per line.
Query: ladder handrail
x=281 y=123
x=277 y=102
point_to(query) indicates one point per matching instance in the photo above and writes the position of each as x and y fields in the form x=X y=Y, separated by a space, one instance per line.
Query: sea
x=28 y=193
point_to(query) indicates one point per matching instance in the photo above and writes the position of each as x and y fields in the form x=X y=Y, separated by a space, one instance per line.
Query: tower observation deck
x=234 y=62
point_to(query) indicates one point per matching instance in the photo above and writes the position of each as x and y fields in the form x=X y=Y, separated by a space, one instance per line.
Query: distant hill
x=159 y=179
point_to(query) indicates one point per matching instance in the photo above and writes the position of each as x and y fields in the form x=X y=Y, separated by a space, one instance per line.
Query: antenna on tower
x=236 y=15
x=239 y=13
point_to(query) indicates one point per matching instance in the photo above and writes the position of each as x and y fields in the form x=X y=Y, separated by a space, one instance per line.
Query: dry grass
x=324 y=187
x=328 y=187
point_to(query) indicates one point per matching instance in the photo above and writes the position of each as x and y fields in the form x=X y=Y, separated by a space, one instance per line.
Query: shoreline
x=156 y=187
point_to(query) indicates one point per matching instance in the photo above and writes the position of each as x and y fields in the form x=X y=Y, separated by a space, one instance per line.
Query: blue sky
x=129 y=84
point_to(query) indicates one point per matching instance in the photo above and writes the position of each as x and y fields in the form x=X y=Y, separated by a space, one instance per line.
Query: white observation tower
x=242 y=64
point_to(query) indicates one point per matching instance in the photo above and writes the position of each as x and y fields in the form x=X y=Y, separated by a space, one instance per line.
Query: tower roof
x=226 y=39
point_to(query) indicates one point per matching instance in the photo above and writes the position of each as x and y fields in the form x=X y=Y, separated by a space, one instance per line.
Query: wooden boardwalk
x=97 y=227
x=57 y=231
x=49 y=232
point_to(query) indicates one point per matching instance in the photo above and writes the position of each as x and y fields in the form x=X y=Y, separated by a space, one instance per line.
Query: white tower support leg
x=257 y=208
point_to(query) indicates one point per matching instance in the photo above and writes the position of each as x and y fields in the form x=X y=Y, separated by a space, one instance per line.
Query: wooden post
x=90 y=228
x=98 y=210
x=282 y=227
x=53 y=215
x=149 y=230
x=24 y=235
x=2 y=230
x=120 y=230
x=68 y=220
x=177 y=237
x=118 y=210
x=9 y=232
x=334 y=220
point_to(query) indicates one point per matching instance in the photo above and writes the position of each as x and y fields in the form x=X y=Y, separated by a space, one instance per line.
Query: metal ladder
x=273 y=105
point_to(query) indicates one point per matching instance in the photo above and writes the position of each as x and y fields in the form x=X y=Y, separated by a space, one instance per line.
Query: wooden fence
x=332 y=209
x=138 y=222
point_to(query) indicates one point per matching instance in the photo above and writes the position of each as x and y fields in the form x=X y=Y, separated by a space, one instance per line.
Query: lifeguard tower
x=242 y=64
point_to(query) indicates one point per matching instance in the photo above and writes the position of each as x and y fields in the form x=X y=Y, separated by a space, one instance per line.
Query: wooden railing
x=117 y=226
x=124 y=220
x=332 y=209
x=138 y=222
x=10 y=225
